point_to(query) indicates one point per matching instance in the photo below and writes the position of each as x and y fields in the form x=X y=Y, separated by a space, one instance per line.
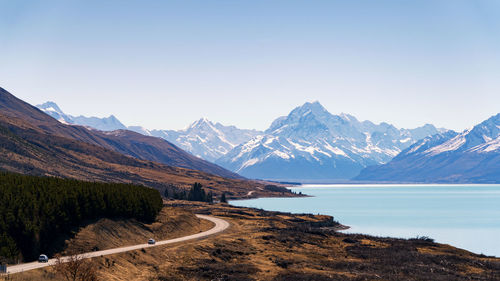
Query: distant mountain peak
x=200 y=123
x=202 y=120
x=207 y=140
x=310 y=107
x=312 y=143
x=109 y=123
x=202 y=138
x=50 y=106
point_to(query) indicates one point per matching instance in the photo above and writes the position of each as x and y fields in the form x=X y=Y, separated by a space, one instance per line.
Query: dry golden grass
x=262 y=245
x=107 y=234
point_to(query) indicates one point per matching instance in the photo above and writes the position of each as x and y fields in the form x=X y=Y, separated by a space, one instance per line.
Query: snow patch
x=281 y=154
x=417 y=147
x=335 y=150
x=490 y=146
x=405 y=140
x=451 y=145
x=50 y=109
x=248 y=163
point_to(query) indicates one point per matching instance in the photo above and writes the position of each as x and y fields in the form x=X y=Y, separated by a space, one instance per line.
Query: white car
x=43 y=258
x=151 y=241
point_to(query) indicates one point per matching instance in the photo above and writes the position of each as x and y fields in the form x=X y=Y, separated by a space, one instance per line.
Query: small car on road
x=151 y=241
x=43 y=258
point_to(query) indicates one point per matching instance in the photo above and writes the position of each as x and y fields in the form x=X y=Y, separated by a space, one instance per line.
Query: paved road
x=220 y=225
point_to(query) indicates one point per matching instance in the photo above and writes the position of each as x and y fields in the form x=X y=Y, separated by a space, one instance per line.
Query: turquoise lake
x=465 y=216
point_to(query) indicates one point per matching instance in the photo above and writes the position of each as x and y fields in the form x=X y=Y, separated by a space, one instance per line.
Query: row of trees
x=196 y=193
x=34 y=211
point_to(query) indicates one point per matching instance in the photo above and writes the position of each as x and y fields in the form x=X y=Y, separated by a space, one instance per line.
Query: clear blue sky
x=163 y=64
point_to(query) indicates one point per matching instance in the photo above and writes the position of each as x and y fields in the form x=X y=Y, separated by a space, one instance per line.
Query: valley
x=262 y=140
x=259 y=245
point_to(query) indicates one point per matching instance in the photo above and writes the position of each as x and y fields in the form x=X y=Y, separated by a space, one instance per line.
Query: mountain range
x=104 y=124
x=32 y=142
x=313 y=144
x=472 y=156
x=202 y=138
x=308 y=144
x=124 y=141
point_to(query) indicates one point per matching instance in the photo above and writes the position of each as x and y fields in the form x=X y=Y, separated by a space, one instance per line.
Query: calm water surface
x=465 y=216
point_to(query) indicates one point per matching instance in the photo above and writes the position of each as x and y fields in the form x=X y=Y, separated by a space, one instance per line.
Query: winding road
x=220 y=225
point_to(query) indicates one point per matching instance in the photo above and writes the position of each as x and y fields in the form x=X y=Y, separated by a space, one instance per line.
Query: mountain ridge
x=202 y=138
x=109 y=123
x=206 y=139
x=33 y=143
x=309 y=143
x=312 y=144
x=472 y=156
x=125 y=142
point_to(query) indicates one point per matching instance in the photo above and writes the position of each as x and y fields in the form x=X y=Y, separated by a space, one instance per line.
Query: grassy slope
x=264 y=245
x=27 y=149
x=107 y=234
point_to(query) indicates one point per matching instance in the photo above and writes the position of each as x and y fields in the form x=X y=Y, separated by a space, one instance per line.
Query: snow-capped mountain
x=205 y=139
x=52 y=109
x=110 y=123
x=313 y=144
x=202 y=138
x=470 y=156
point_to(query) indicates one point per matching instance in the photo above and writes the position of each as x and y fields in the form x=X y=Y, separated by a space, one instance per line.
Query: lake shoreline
x=464 y=215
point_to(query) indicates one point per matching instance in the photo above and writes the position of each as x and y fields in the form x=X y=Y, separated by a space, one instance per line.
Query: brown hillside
x=28 y=149
x=122 y=141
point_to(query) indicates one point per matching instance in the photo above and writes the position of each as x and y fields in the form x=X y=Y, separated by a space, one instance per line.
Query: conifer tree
x=35 y=210
x=223 y=198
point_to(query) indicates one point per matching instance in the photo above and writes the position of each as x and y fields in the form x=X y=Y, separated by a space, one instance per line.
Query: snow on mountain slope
x=309 y=143
x=481 y=138
x=110 y=123
x=202 y=138
x=207 y=140
x=313 y=144
x=490 y=146
x=472 y=156
x=55 y=112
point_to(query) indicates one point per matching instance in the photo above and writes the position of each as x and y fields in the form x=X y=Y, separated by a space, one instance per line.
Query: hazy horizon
x=165 y=65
